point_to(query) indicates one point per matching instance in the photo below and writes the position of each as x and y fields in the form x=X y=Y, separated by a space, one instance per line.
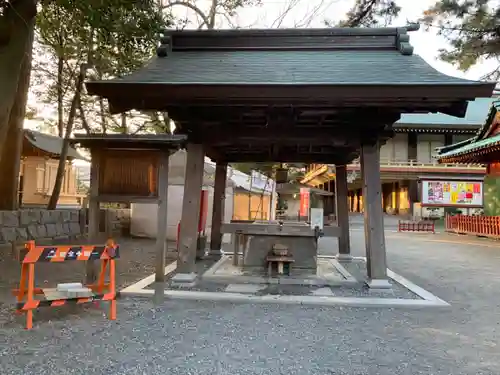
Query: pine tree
x=473 y=29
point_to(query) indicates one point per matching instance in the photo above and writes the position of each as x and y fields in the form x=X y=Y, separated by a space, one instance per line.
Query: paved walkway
x=187 y=337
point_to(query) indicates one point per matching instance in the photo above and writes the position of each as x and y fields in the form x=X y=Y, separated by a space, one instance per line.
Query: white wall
x=426 y=146
x=143 y=216
x=395 y=149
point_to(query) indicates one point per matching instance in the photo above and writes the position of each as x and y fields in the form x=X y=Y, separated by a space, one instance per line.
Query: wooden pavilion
x=288 y=95
x=129 y=169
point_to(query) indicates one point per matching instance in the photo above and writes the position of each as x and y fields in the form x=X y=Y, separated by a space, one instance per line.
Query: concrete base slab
x=320 y=297
x=214 y=252
x=184 y=279
x=344 y=257
x=297 y=300
x=322 y=292
x=329 y=273
x=375 y=292
x=378 y=284
x=244 y=288
x=172 y=254
x=144 y=283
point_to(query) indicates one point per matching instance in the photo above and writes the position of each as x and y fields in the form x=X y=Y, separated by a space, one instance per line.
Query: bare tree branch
x=85 y=124
x=193 y=7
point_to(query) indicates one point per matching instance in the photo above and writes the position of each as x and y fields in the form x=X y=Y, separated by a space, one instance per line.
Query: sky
x=426 y=43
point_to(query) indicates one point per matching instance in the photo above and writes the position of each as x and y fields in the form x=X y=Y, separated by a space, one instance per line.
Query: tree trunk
x=60 y=97
x=16 y=26
x=10 y=160
x=85 y=123
x=54 y=198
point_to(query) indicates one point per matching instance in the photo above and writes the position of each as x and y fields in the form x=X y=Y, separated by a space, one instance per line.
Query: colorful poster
x=304 y=202
x=452 y=193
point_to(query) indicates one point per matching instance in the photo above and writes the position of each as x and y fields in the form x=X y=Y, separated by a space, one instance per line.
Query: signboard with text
x=441 y=193
x=304 y=202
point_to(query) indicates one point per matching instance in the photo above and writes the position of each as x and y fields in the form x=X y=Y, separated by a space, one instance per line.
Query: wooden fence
x=416 y=226
x=484 y=226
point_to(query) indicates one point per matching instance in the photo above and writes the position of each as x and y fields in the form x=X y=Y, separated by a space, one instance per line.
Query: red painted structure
x=483 y=226
x=416 y=226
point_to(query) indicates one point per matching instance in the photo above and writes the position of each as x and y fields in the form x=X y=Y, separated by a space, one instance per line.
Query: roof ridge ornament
x=165 y=46
x=403 y=39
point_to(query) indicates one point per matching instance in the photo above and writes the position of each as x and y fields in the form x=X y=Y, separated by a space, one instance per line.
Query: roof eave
x=136 y=94
x=72 y=152
x=156 y=141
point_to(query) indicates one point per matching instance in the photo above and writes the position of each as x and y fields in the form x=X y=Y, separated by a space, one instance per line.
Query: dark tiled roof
x=290 y=67
x=49 y=143
x=380 y=56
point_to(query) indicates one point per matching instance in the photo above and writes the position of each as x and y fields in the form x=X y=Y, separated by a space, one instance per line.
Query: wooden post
x=342 y=211
x=218 y=208
x=190 y=214
x=236 y=250
x=93 y=227
x=161 y=231
x=374 y=219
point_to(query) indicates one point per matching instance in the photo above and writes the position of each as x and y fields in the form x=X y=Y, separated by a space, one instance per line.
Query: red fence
x=416 y=226
x=484 y=226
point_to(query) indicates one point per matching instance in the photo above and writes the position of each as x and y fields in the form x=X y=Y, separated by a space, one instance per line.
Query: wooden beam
x=190 y=210
x=155 y=96
x=290 y=137
x=94 y=207
x=374 y=219
x=218 y=208
x=345 y=158
x=116 y=198
x=342 y=208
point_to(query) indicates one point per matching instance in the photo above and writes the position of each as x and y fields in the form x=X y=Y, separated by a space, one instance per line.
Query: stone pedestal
x=257 y=241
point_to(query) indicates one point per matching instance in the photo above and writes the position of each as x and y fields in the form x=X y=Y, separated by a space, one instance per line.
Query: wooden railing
x=416 y=163
x=397 y=165
x=483 y=226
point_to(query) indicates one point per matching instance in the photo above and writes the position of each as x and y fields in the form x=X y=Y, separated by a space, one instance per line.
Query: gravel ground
x=358 y=270
x=136 y=261
x=189 y=337
x=186 y=337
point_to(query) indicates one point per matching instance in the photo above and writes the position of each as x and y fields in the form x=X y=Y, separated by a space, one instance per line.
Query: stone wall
x=115 y=222
x=40 y=225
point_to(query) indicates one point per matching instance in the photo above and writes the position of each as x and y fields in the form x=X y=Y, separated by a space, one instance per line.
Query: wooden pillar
x=342 y=211
x=412 y=194
x=94 y=206
x=333 y=199
x=188 y=238
x=359 y=195
x=374 y=219
x=218 y=208
x=397 y=203
x=161 y=231
x=394 y=204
